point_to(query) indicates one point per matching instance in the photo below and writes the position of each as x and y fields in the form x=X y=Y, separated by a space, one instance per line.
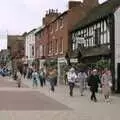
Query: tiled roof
x=98 y=13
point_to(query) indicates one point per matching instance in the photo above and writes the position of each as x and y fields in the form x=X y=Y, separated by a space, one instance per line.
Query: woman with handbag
x=71 y=76
x=106 y=81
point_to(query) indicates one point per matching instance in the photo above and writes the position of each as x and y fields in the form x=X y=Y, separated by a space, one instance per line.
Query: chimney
x=50 y=15
x=90 y=3
x=72 y=4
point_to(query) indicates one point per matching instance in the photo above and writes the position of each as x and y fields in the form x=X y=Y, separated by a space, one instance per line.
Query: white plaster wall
x=117 y=39
x=30 y=40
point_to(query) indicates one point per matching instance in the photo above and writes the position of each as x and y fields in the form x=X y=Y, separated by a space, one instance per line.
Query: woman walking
x=106 y=81
x=82 y=76
x=71 y=80
x=19 y=77
x=94 y=82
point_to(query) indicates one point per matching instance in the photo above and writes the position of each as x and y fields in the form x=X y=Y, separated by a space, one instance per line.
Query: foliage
x=50 y=63
x=101 y=64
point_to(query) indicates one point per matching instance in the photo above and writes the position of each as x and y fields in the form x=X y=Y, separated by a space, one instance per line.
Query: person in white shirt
x=82 y=76
x=71 y=80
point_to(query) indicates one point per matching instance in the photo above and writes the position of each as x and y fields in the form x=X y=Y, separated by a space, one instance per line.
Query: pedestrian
x=35 y=78
x=82 y=76
x=94 y=82
x=19 y=76
x=52 y=77
x=71 y=80
x=24 y=72
x=40 y=78
x=42 y=74
x=106 y=81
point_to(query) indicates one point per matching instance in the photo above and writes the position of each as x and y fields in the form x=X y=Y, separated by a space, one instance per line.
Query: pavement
x=29 y=103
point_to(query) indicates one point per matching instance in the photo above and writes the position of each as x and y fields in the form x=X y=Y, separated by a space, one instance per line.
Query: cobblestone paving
x=6 y=83
x=28 y=100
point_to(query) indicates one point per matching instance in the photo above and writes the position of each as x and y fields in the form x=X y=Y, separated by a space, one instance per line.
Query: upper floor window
x=61 y=45
x=56 y=25
x=56 y=45
x=97 y=36
x=61 y=22
x=51 y=28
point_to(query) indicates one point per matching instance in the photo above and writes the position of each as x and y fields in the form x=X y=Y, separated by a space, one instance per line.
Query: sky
x=19 y=16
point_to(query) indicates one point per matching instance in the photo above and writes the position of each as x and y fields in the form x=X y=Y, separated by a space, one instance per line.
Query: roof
x=97 y=13
x=39 y=29
x=65 y=12
x=15 y=37
x=31 y=31
x=44 y=26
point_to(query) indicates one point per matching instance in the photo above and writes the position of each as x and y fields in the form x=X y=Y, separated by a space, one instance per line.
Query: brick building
x=53 y=40
x=16 y=45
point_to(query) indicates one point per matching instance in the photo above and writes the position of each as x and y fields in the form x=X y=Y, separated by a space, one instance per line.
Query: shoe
x=95 y=100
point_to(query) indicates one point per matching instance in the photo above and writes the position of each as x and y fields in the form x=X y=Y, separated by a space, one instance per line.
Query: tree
x=102 y=64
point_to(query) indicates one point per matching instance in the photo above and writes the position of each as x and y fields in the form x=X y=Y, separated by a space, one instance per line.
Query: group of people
x=93 y=79
x=40 y=76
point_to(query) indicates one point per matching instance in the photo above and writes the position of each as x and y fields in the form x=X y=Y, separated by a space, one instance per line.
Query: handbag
x=110 y=84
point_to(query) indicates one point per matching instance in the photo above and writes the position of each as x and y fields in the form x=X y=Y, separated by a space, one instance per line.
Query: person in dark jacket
x=94 y=82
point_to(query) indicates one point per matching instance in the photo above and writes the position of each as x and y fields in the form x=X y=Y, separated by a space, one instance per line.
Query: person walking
x=71 y=80
x=52 y=77
x=82 y=76
x=106 y=81
x=19 y=77
x=94 y=82
x=35 y=78
x=42 y=76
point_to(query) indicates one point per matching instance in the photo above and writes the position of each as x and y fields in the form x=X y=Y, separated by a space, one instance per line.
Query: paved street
x=40 y=104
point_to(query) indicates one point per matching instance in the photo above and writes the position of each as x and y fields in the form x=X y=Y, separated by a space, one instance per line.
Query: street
x=39 y=103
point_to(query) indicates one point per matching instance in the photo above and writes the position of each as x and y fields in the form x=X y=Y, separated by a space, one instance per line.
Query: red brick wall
x=53 y=35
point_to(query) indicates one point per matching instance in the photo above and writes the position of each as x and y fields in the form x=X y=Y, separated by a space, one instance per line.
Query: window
x=61 y=22
x=32 y=50
x=61 y=45
x=56 y=45
x=56 y=25
x=41 y=50
x=50 y=47
x=51 y=28
x=97 y=36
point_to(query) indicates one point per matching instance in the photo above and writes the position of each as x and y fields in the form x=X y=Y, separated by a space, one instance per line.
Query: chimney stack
x=90 y=3
x=72 y=4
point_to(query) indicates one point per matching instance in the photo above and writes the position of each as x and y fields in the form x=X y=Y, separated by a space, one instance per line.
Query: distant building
x=16 y=44
x=3 y=40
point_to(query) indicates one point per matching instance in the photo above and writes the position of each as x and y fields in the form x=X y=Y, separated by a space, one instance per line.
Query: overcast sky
x=18 y=16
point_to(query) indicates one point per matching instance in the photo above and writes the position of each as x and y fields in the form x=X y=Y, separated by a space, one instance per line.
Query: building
x=3 y=40
x=16 y=45
x=30 y=46
x=97 y=37
x=54 y=39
